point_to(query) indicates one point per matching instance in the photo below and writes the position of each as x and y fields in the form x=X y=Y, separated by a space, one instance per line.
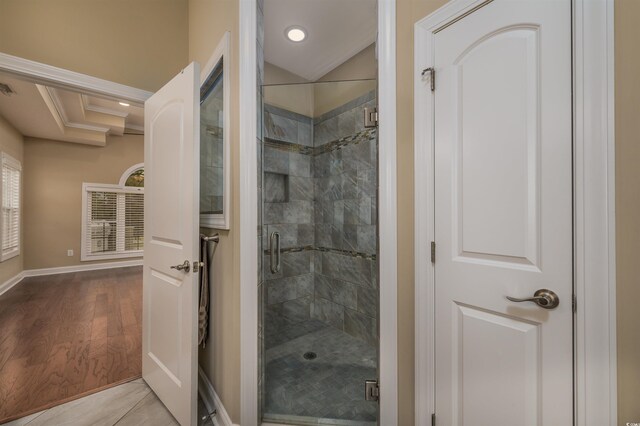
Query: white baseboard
x=81 y=268
x=11 y=282
x=212 y=400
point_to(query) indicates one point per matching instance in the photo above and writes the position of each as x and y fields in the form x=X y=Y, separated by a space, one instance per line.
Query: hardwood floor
x=65 y=336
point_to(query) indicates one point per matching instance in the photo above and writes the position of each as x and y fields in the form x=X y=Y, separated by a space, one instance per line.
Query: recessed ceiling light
x=123 y=103
x=296 y=34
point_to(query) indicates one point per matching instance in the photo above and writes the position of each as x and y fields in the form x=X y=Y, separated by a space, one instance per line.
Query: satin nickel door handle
x=274 y=252
x=186 y=266
x=544 y=298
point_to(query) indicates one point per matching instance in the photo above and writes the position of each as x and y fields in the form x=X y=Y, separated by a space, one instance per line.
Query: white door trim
x=59 y=77
x=387 y=214
x=594 y=220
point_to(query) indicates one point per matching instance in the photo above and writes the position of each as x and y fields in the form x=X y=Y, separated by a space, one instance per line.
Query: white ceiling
x=336 y=30
x=47 y=112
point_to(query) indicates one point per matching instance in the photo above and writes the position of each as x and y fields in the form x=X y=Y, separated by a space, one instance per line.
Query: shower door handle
x=274 y=252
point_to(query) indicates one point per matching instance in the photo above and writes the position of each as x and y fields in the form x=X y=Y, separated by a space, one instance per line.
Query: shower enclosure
x=318 y=180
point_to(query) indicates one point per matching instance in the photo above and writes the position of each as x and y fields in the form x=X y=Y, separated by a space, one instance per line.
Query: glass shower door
x=319 y=281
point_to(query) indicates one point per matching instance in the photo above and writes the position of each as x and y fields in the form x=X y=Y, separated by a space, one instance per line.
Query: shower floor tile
x=331 y=386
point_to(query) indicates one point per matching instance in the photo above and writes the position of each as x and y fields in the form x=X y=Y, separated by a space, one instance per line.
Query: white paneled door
x=503 y=216
x=170 y=290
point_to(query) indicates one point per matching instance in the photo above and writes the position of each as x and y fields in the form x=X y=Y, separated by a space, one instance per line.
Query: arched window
x=133 y=176
x=113 y=217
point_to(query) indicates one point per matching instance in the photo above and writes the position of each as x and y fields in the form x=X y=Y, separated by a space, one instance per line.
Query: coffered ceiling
x=47 y=112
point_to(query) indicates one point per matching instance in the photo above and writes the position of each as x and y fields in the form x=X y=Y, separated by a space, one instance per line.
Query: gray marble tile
x=323 y=211
x=260 y=22
x=305 y=285
x=321 y=166
x=306 y=235
x=367 y=239
x=352 y=269
x=338 y=291
x=325 y=132
x=297 y=211
x=367 y=182
x=317 y=262
x=350 y=187
x=101 y=409
x=368 y=301
x=276 y=188
x=275 y=160
x=300 y=188
x=346 y=124
x=352 y=212
x=296 y=263
x=337 y=375
x=337 y=236
x=328 y=312
x=335 y=162
x=150 y=411
x=280 y=128
x=323 y=235
x=361 y=326
x=299 y=164
x=274 y=213
x=305 y=134
x=350 y=237
x=288 y=235
x=281 y=290
x=297 y=310
x=338 y=211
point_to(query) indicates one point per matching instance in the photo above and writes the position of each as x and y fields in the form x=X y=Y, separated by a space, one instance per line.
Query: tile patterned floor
x=129 y=404
x=329 y=387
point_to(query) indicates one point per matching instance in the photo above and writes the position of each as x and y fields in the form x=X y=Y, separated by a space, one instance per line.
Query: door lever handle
x=544 y=298
x=186 y=266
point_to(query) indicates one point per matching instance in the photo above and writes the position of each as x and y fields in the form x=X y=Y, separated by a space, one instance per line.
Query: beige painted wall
x=12 y=142
x=141 y=43
x=293 y=93
x=627 y=35
x=53 y=177
x=208 y=20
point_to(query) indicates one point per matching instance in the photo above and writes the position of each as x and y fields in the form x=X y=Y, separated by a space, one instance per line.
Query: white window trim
x=86 y=188
x=128 y=172
x=9 y=160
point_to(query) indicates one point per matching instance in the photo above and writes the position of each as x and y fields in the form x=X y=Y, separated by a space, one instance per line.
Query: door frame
x=595 y=370
x=72 y=80
x=387 y=213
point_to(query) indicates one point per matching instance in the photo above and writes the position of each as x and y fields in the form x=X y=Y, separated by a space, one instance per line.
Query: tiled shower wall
x=320 y=180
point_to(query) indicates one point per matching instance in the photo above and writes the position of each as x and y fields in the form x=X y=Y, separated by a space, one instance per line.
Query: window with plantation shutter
x=113 y=222
x=11 y=209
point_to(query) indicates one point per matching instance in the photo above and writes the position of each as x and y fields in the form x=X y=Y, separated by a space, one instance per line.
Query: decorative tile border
x=367 y=135
x=325 y=250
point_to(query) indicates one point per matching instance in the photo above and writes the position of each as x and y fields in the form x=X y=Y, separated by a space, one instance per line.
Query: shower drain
x=310 y=355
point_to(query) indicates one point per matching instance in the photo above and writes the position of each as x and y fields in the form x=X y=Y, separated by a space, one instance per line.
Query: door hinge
x=433 y=419
x=574 y=303
x=371 y=390
x=370 y=117
x=433 y=252
x=432 y=76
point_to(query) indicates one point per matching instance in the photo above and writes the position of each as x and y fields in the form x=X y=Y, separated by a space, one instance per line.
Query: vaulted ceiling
x=46 y=112
x=336 y=30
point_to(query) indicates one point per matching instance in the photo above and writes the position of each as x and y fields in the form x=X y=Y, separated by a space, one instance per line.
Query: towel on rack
x=203 y=310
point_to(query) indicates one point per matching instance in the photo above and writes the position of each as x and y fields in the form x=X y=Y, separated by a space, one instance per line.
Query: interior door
x=503 y=215
x=170 y=283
